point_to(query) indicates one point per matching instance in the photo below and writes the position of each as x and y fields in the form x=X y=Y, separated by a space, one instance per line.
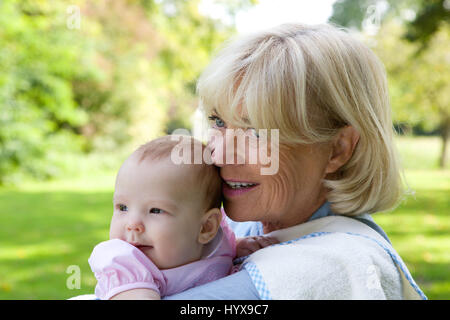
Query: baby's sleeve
x=119 y=266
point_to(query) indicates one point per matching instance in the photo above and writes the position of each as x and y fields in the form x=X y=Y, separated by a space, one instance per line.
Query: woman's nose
x=216 y=145
x=227 y=148
x=217 y=157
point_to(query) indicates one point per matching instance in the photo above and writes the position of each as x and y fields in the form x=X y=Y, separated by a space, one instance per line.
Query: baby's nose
x=136 y=226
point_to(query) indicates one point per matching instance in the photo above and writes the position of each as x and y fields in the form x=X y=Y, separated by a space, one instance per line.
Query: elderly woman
x=327 y=95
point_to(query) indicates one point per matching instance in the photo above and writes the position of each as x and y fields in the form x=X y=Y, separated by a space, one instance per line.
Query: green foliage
x=418 y=80
x=428 y=20
x=350 y=13
x=428 y=15
x=37 y=109
x=418 y=83
x=183 y=56
x=414 y=48
x=125 y=74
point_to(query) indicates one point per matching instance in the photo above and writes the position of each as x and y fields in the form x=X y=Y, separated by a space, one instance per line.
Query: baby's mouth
x=145 y=249
x=140 y=246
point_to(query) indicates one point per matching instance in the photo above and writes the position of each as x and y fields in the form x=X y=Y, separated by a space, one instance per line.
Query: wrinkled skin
x=284 y=199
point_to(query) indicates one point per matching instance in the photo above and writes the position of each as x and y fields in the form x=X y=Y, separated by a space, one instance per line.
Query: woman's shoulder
x=327 y=266
x=348 y=258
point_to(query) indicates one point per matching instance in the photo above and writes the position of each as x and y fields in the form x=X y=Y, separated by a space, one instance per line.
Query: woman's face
x=286 y=198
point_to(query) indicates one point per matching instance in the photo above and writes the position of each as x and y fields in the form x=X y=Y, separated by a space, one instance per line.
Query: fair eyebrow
x=119 y=198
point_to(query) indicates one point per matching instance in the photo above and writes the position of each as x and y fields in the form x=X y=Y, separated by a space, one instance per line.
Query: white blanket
x=333 y=257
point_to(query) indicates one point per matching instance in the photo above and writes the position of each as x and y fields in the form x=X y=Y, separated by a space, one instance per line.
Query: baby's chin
x=149 y=253
x=145 y=250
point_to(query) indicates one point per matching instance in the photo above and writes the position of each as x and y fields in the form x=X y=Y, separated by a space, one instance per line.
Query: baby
x=167 y=231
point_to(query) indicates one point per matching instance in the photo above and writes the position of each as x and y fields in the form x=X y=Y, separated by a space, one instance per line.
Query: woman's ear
x=342 y=148
x=210 y=224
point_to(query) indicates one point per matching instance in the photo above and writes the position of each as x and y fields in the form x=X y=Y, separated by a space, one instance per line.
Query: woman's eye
x=219 y=123
x=122 y=207
x=156 y=210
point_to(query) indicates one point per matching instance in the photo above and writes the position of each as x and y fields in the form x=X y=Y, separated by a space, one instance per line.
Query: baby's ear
x=210 y=224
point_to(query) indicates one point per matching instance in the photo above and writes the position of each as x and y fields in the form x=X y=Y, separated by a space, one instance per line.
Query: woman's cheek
x=276 y=193
x=286 y=179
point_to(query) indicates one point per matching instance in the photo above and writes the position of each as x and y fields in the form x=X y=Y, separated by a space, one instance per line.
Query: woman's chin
x=240 y=211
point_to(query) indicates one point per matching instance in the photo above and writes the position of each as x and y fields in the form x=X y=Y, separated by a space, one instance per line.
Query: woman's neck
x=297 y=217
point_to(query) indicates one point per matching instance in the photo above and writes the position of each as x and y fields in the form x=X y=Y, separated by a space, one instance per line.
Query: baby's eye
x=122 y=207
x=156 y=210
x=219 y=123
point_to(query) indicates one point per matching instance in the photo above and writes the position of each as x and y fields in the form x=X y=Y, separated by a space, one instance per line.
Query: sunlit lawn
x=420 y=228
x=47 y=227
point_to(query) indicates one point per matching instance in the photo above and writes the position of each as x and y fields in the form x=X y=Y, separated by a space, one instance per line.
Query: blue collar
x=325 y=211
x=254 y=228
x=322 y=212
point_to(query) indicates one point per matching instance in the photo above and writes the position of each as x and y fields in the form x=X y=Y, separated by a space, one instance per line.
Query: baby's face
x=157 y=209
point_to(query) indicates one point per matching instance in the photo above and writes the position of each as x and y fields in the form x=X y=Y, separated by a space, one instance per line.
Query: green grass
x=419 y=230
x=47 y=227
x=419 y=153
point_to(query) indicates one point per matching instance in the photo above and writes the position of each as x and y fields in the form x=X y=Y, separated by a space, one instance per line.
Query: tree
x=122 y=76
x=188 y=39
x=413 y=43
x=37 y=109
x=429 y=17
x=423 y=17
x=419 y=84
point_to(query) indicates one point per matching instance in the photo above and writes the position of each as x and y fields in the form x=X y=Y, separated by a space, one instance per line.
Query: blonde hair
x=308 y=82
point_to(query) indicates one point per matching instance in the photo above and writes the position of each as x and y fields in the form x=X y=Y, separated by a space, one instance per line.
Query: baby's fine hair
x=207 y=174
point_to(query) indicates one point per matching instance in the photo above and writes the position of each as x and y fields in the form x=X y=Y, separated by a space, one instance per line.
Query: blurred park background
x=82 y=83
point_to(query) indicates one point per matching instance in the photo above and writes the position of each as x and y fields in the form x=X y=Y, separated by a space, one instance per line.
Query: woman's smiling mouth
x=237 y=184
x=234 y=188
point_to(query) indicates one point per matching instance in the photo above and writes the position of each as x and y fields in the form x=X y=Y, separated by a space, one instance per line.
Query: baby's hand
x=248 y=245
